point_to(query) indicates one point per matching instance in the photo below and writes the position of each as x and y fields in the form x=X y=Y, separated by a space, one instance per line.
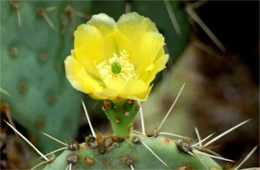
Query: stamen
x=116 y=66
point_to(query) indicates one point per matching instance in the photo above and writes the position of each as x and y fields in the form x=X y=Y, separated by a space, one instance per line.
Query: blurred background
x=213 y=47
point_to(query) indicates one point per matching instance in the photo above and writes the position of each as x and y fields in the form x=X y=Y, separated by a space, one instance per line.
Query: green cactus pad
x=107 y=152
x=32 y=69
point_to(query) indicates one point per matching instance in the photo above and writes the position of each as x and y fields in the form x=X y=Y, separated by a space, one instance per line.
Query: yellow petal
x=103 y=23
x=133 y=25
x=105 y=94
x=147 y=49
x=116 y=84
x=136 y=89
x=79 y=78
x=89 y=47
x=160 y=63
x=123 y=43
x=88 y=43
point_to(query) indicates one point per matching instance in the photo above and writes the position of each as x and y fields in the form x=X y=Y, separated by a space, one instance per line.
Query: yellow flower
x=116 y=60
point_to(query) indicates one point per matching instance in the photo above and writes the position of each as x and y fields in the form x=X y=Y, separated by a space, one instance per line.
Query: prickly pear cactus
x=36 y=37
x=128 y=149
x=109 y=152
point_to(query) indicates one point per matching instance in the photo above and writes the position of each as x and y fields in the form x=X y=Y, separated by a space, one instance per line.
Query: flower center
x=117 y=66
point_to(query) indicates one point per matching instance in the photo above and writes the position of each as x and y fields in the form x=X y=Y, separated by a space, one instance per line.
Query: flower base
x=121 y=117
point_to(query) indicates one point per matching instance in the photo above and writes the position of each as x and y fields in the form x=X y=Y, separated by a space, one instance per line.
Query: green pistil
x=116 y=67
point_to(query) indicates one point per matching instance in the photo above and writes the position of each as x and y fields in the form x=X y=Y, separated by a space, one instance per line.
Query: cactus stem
x=55 y=139
x=121 y=117
x=26 y=140
x=147 y=147
x=169 y=111
x=89 y=122
x=226 y=132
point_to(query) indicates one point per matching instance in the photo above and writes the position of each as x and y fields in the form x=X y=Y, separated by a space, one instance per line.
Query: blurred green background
x=221 y=90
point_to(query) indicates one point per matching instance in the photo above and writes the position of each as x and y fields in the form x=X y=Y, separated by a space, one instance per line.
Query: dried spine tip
x=73 y=146
x=136 y=140
x=91 y=142
x=184 y=146
x=129 y=162
x=72 y=159
x=108 y=142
